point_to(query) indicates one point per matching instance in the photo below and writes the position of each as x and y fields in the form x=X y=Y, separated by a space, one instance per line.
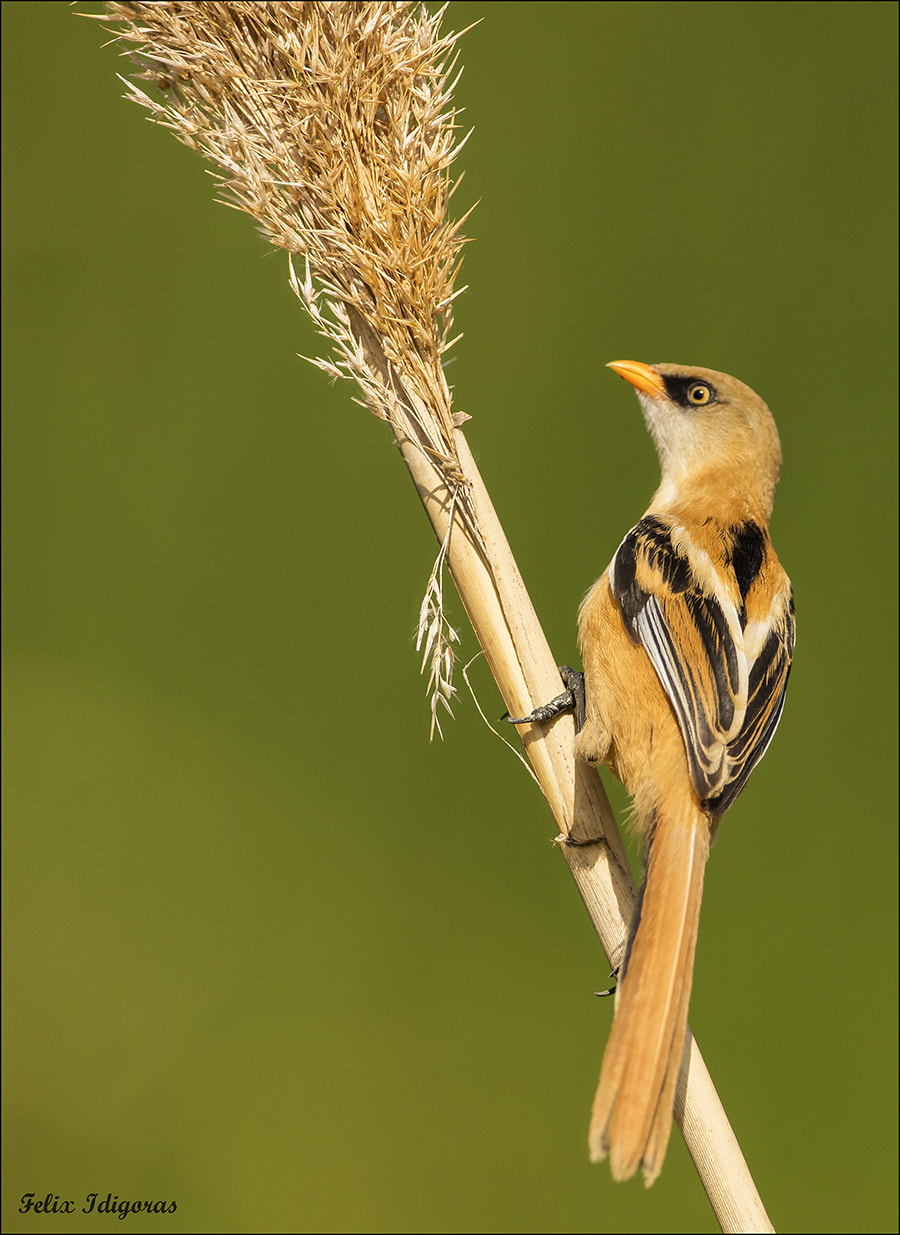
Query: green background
x=269 y=953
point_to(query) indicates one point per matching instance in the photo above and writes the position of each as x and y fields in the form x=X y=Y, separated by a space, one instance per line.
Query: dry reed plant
x=332 y=125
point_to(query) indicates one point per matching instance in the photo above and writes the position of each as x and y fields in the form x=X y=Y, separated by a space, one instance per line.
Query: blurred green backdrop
x=267 y=953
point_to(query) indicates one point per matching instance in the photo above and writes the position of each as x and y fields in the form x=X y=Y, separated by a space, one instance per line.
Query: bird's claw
x=571 y=700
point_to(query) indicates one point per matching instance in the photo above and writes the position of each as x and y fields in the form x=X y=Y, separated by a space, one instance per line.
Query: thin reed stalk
x=333 y=126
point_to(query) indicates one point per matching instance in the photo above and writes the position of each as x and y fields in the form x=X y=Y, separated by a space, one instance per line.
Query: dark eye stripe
x=678 y=389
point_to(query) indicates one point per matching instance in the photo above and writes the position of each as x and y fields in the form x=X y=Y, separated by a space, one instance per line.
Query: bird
x=686 y=642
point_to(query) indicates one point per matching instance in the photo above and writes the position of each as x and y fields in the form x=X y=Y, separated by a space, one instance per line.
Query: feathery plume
x=333 y=126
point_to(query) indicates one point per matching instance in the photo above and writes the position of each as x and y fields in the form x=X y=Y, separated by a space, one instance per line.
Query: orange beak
x=642 y=376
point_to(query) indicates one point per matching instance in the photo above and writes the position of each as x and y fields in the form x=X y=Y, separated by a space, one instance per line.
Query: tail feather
x=632 y=1113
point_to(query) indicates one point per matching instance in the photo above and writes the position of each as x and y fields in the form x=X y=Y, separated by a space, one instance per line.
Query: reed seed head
x=333 y=126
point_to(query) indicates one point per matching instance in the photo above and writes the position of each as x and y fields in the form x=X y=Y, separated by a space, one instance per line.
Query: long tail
x=632 y=1113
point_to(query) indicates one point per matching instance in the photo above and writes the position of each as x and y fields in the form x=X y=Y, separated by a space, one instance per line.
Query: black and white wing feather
x=720 y=640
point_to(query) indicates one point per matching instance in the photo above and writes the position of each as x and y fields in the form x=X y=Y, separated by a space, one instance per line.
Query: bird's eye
x=699 y=393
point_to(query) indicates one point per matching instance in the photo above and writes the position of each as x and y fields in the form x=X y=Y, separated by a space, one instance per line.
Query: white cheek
x=678 y=435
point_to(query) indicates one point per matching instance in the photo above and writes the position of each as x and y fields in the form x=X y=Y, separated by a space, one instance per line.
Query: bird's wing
x=720 y=637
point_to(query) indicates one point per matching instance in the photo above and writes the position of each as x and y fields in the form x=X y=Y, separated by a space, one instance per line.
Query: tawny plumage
x=686 y=642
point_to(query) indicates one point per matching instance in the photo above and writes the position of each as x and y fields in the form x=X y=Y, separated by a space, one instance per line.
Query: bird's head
x=708 y=427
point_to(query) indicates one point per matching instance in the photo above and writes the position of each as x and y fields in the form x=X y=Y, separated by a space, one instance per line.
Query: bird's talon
x=571 y=700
